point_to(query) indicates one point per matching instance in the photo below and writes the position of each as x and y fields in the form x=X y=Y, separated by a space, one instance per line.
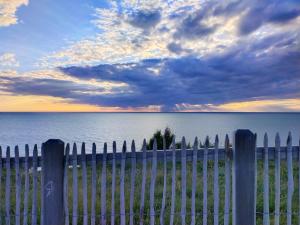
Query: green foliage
x=159 y=136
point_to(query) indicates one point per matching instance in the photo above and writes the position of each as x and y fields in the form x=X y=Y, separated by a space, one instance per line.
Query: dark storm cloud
x=248 y=71
x=145 y=19
x=276 y=12
x=266 y=68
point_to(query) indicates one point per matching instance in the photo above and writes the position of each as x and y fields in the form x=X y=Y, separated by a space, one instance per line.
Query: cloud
x=144 y=19
x=8 y=9
x=8 y=60
x=273 y=12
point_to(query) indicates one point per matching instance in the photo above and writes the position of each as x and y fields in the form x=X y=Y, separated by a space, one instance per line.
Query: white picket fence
x=121 y=188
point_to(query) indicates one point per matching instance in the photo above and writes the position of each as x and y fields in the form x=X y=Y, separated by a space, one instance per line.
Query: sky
x=151 y=55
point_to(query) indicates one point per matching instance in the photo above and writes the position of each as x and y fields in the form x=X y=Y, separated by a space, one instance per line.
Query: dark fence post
x=52 y=172
x=243 y=175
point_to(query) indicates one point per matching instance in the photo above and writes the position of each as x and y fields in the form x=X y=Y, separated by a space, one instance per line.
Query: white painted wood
x=227 y=181
x=75 y=186
x=163 y=201
x=216 y=181
x=103 y=186
x=34 y=189
x=255 y=179
x=299 y=183
x=7 y=187
x=144 y=176
x=173 y=190
x=113 y=184
x=152 y=182
x=122 y=183
x=18 y=187
x=290 y=179
x=94 y=185
x=42 y=185
x=84 y=185
x=183 y=181
x=26 y=186
x=132 y=183
x=1 y=183
x=266 y=217
x=194 y=182
x=205 y=182
x=66 y=188
x=277 y=180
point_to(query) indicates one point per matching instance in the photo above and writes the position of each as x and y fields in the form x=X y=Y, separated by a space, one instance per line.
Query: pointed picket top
x=227 y=143
x=173 y=143
x=16 y=151
x=144 y=147
x=124 y=147
x=207 y=142
x=7 y=152
x=114 y=147
x=94 y=148
x=217 y=141
x=83 y=148
x=35 y=150
x=277 y=140
x=183 y=143
x=195 y=147
x=289 y=139
x=133 y=146
x=154 y=144
x=67 y=148
x=105 y=149
x=74 y=148
x=266 y=140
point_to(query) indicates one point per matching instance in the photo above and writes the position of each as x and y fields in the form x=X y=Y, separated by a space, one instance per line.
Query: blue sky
x=150 y=55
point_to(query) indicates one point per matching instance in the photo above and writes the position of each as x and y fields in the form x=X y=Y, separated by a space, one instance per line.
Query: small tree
x=159 y=139
x=168 y=134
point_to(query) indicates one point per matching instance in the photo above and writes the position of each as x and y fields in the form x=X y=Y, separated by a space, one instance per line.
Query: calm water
x=31 y=128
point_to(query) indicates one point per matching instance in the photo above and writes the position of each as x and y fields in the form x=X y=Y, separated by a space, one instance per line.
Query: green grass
x=159 y=189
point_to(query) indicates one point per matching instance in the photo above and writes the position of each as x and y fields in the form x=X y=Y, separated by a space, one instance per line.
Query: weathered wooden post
x=243 y=175
x=52 y=172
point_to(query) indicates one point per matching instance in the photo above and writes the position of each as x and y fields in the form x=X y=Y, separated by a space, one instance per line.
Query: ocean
x=35 y=128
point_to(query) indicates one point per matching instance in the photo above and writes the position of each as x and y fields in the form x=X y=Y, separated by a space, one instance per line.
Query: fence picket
x=42 y=185
x=66 y=189
x=255 y=177
x=227 y=181
x=173 y=191
x=84 y=185
x=113 y=184
x=18 y=186
x=277 y=179
x=194 y=182
x=94 y=186
x=163 y=201
x=183 y=181
x=290 y=179
x=266 y=217
x=34 y=191
x=216 y=181
x=103 y=186
x=144 y=171
x=7 y=187
x=132 y=183
x=205 y=181
x=75 y=185
x=122 y=183
x=26 y=186
x=1 y=184
x=152 y=182
x=299 y=182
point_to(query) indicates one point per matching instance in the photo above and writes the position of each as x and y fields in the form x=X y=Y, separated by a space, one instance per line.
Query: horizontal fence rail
x=200 y=185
